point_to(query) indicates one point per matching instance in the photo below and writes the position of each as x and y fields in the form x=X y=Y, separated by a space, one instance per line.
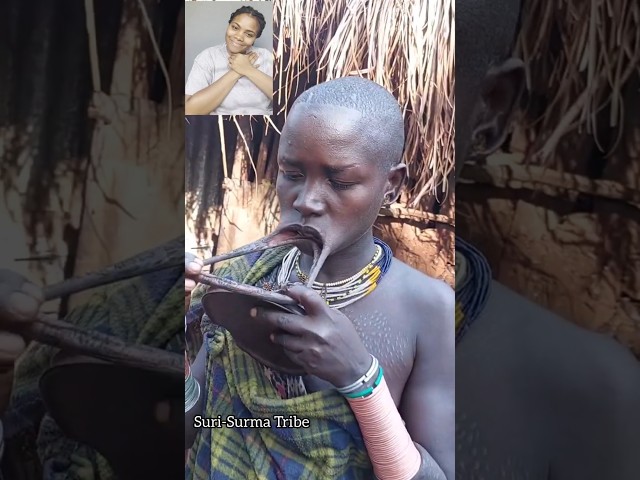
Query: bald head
x=488 y=83
x=382 y=121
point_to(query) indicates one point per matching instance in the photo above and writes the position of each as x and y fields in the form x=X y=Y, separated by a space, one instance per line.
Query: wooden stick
x=169 y=255
x=250 y=290
x=90 y=18
x=106 y=347
x=63 y=335
x=416 y=215
x=509 y=173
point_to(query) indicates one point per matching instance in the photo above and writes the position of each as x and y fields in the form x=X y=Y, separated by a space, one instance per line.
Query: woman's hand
x=323 y=342
x=242 y=64
x=192 y=268
x=20 y=302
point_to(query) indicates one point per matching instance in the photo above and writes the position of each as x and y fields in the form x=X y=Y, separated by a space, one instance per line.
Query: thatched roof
x=580 y=57
x=405 y=46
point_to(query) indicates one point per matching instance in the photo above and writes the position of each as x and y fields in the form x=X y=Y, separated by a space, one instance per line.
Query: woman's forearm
x=208 y=99
x=392 y=452
x=429 y=469
x=190 y=431
x=198 y=370
x=261 y=80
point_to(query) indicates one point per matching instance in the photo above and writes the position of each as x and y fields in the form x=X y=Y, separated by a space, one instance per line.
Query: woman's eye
x=291 y=175
x=341 y=186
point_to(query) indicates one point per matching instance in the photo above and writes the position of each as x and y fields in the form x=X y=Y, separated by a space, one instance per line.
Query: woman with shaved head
x=375 y=342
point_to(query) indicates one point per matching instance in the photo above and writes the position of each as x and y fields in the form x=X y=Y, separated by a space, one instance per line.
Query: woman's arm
x=209 y=98
x=428 y=400
x=198 y=370
x=261 y=80
x=422 y=448
x=243 y=66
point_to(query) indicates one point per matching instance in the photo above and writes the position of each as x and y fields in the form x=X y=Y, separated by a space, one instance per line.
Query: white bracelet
x=191 y=393
x=363 y=380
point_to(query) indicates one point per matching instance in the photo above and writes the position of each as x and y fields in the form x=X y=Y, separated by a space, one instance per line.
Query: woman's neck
x=345 y=263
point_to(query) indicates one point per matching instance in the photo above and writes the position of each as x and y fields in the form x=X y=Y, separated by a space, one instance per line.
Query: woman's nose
x=309 y=201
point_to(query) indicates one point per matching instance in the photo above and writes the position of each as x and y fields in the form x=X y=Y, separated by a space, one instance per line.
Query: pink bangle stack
x=390 y=448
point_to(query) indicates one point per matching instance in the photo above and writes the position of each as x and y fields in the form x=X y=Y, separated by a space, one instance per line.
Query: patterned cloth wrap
x=147 y=310
x=331 y=448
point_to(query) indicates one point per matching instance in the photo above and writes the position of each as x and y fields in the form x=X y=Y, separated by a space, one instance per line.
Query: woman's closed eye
x=341 y=185
x=291 y=175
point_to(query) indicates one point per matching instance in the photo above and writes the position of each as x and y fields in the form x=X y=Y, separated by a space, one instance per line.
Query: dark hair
x=254 y=13
x=384 y=127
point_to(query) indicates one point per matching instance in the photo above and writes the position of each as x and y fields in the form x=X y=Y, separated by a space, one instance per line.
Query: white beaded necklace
x=336 y=294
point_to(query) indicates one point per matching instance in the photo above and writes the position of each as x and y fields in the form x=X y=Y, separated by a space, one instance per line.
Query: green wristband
x=367 y=391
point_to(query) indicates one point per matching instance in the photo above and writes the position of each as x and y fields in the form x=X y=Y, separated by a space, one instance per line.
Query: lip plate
x=230 y=310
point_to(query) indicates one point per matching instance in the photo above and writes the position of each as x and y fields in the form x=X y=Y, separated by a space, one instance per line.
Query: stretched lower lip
x=303 y=233
x=314 y=239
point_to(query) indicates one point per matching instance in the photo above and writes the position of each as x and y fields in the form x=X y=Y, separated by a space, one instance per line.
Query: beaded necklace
x=344 y=292
x=473 y=284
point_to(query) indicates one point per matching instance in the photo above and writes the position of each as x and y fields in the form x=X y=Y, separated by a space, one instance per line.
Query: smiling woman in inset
x=235 y=78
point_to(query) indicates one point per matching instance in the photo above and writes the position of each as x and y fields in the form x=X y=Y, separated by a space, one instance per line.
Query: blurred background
x=557 y=210
x=405 y=46
x=92 y=148
x=91 y=134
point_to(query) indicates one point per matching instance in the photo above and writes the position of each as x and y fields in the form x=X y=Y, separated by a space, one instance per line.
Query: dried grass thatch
x=579 y=56
x=406 y=46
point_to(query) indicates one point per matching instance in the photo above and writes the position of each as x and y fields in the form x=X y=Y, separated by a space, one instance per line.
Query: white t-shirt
x=244 y=98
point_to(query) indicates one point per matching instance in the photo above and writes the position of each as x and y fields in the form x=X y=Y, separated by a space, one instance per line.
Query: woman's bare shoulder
x=429 y=300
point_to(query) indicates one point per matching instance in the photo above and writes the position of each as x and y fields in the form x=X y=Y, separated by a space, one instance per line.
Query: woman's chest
x=392 y=345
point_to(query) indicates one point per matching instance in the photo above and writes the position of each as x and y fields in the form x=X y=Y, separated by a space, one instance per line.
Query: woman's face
x=241 y=33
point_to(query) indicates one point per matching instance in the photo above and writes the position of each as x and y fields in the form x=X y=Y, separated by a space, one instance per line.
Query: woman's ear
x=396 y=179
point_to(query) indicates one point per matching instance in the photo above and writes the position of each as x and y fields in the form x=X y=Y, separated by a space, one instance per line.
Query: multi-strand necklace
x=344 y=292
x=473 y=284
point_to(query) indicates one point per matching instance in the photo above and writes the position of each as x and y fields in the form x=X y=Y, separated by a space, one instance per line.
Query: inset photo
x=228 y=58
